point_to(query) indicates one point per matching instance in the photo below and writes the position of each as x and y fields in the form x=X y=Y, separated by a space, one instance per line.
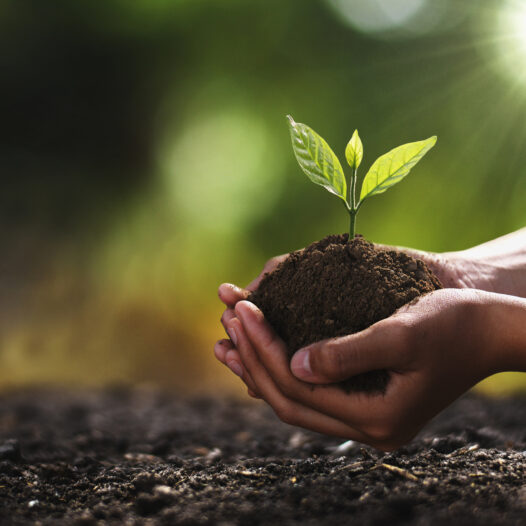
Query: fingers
x=381 y=346
x=227 y=315
x=354 y=409
x=230 y=294
x=286 y=409
x=220 y=349
x=233 y=362
x=227 y=354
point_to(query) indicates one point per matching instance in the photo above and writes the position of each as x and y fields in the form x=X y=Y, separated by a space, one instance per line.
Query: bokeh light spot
x=223 y=171
x=376 y=16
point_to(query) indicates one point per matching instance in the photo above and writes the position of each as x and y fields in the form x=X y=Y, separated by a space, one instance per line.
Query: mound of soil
x=333 y=288
x=144 y=457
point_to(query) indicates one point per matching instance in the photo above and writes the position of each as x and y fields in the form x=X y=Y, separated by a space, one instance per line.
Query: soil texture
x=144 y=457
x=333 y=288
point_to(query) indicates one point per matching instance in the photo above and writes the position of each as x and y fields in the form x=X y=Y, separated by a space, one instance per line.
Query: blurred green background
x=145 y=158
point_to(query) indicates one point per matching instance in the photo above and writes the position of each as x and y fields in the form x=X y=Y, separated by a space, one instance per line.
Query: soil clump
x=333 y=287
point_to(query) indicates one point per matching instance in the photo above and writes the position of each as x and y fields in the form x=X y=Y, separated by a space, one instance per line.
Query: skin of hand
x=451 y=268
x=496 y=266
x=230 y=295
x=435 y=350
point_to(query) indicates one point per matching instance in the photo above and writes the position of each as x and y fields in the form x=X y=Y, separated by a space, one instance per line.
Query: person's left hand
x=435 y=349
x=230 y=294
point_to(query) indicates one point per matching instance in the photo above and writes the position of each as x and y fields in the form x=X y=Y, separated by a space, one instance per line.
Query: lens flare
x=511 y=39
x=514 y=22
x=375 y=16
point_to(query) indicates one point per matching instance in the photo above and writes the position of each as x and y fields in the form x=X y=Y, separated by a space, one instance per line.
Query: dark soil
x=333 y=288
x=143 y=457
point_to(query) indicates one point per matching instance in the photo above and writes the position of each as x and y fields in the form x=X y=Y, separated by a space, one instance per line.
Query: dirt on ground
x=145 y=457
x=333 y=288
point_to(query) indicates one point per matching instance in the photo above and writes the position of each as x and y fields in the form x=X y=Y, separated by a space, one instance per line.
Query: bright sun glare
x=511 y=29
x=516 y=18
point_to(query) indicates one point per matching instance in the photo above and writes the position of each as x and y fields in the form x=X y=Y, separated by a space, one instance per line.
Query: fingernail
x=300 y=364
x=233 y=336
x=245 y=308
x=235 y=368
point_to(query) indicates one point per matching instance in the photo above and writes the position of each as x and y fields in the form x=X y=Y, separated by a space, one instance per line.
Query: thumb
x=378 y=347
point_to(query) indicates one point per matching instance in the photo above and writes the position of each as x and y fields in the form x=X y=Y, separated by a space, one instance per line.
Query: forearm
x=511 y=246
x=496 y=266
x=503 y=322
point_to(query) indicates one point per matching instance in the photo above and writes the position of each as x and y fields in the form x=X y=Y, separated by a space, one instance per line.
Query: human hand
x=435 y=349
x=230 y=294
x=444 y=265
x=496 y=266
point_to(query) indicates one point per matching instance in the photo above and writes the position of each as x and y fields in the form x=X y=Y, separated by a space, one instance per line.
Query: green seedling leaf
x=354 y=151
x=393 y=166
x=316 y=159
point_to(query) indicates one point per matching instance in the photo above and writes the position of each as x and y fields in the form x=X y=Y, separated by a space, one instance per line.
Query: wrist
x=503 y=273
x=502 y=319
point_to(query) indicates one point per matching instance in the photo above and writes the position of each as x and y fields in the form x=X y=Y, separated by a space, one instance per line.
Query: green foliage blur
x=145 y=158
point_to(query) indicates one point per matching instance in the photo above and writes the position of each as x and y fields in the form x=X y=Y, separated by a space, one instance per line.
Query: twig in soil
x=254 y=474
x=179 y=482
x=463 y=450
x=398 y=471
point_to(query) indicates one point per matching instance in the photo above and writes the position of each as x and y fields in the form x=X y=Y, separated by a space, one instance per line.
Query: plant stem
x=352 y=224
x=352 y=205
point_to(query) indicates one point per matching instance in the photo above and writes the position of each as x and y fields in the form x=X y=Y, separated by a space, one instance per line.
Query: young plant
x=322 y=167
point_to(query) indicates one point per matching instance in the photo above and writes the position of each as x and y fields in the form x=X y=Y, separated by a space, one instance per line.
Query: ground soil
x=144 y=457
x=332 y=288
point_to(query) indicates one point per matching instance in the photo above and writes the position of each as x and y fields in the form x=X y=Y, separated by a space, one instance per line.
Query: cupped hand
x=469 y=269
x=231 y=294
x=435 y=349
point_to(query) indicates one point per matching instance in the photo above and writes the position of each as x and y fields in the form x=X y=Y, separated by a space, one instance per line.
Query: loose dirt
x=144 y=457
x=333 y=288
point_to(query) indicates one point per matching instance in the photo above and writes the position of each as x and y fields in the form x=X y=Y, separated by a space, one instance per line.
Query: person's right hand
x=434 y=349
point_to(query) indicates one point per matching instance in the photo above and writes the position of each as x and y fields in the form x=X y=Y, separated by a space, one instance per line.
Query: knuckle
x=285 y=413
x=329 y=361
x=402 y=333
x=269 y=339
x=286 y=388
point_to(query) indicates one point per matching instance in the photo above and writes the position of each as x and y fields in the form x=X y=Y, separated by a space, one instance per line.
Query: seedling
x=322 y=167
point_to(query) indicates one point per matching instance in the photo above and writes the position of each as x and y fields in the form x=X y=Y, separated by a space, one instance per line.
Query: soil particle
x=467 y=467
x=333 y=288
